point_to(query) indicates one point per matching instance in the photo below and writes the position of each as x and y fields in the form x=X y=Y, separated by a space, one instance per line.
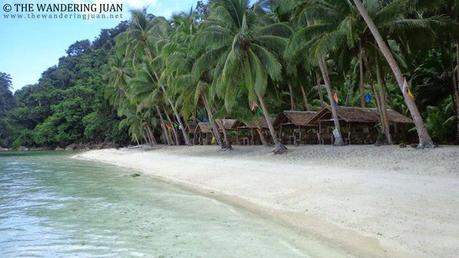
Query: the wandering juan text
x=71 y=8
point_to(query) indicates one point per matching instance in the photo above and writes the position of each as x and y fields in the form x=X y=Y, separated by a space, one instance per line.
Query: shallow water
x=55 y=206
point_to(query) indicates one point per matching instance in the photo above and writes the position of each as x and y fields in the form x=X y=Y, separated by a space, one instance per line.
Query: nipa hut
x=296 y=129
x=358 y=125
x=256 y=131
x=203 y=134
x=231 y=127
x=191 y=130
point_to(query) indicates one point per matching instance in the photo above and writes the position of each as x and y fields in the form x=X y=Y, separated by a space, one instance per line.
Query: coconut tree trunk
x=424 y=138
x=163 y=127
x=177 y=117
x=292 y=99
x=361 y=75
x=151 y=136
x=319 y=90
x=145 y=138
x=176 y=114
x=262 y=137
x=379 y=109
x=225 y=138
x=325 y=74
x=174 y=131
x=456 y=92
x=382 y=100
x=305 y=98
x=212 y=123
x=279 y=148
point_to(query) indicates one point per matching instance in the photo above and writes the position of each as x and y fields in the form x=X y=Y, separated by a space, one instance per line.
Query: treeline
x=229 y=58
x=232 y=59
x=68 y=103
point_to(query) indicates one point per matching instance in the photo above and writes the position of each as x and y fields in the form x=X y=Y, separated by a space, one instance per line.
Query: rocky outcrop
x=71 y=147
x=23 y=148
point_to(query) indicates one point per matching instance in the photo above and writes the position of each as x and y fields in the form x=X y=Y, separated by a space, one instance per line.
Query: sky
x=29 y=46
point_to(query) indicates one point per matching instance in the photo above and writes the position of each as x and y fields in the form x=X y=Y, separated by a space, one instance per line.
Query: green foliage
x=7 y=102
x=441 y=121
x=53 y=111
x=233 y=53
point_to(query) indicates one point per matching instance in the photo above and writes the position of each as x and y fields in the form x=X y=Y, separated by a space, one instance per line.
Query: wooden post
x=319 y=133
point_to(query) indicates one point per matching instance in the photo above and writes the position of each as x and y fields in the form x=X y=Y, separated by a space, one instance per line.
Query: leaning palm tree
x=189 y=77
x=134 y=122
x=180 y=56
x=312 y=41
x=338 y=29
x=148 y=100
x=244 y=45
x=424 y=138
x=144 y=40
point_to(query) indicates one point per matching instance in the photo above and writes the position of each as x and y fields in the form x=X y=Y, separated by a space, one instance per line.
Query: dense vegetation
x=150 y=76
x=67 y=105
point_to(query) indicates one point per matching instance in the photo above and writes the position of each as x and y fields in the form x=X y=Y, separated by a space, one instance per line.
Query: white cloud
x=141 y=3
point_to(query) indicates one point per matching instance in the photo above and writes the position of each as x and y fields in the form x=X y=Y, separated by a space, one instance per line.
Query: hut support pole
x=349 y=133
x=319 y=133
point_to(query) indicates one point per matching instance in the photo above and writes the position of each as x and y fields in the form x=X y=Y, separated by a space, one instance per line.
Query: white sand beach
x=371 y=201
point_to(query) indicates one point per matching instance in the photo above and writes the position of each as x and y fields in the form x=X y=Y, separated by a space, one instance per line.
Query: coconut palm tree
x=148 y=100
x=247 y=44
x=181 y=57
x=120 y=74
x=424 y=137
x=449 y=8
x=138 y=127
x=145 y=38
x=341 y=30
x=310 y=42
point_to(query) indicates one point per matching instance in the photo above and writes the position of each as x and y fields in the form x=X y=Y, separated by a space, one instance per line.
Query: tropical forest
x=152 y=80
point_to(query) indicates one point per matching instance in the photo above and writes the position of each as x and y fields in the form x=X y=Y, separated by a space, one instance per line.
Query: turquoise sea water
x=55 y=206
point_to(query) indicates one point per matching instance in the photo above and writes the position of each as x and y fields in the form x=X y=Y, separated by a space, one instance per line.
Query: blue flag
x=368 y=98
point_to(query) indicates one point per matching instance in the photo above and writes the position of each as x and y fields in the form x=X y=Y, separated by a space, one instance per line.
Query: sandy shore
x=371 y=201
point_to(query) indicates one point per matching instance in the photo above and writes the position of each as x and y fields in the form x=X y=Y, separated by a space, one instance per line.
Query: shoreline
x=348 y=197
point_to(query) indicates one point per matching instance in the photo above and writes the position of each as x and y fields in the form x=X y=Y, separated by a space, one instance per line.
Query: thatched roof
x=396 y=117
x=261 y=122
x=361 y=115
x=299 y=118
x=191 y=126
x=228 y=124
x=203 y=127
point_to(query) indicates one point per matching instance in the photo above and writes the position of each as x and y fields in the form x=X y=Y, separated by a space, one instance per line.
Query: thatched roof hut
x=261 y=122
x=358 y=124
x=299 y=118
x=228 y=124
x=191 y=127
x=203 y=127
x=359 y=115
